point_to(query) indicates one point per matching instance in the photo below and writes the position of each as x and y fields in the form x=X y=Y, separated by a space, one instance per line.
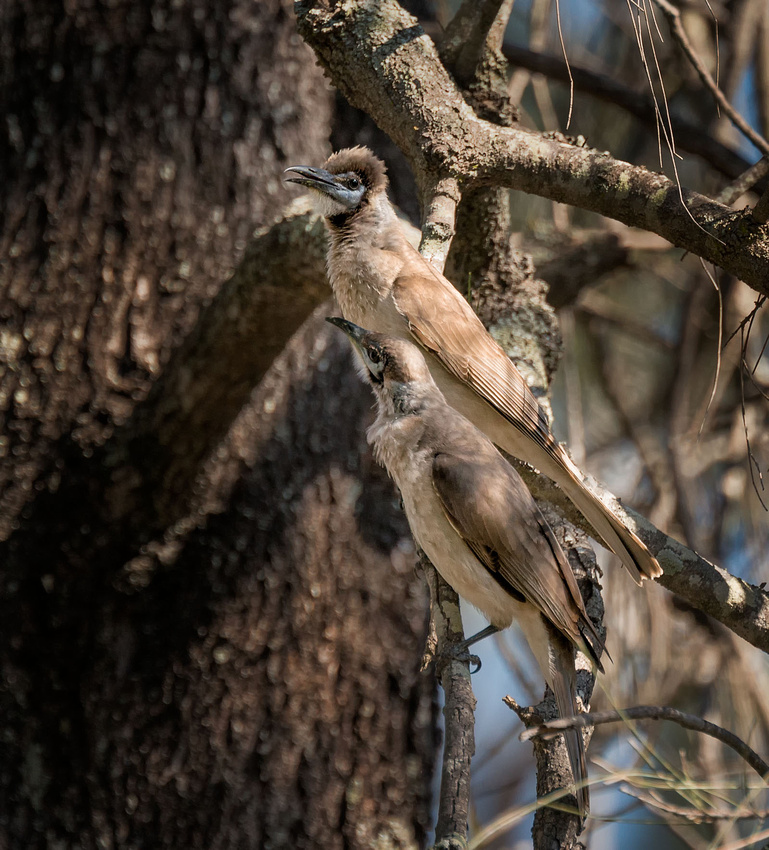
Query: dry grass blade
x=753 y=464
x=566 y=60
x=718 y=351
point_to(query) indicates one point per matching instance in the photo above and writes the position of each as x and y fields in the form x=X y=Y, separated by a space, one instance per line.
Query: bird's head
x=395 y=368
x=346 y=184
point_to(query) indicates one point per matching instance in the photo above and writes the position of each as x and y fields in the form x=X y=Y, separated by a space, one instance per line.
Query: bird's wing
x=442 y=321
x=490 y=508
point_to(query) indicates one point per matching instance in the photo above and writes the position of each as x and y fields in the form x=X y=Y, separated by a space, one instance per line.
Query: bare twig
x=745 y=182
x=654 y=712
x=566 y=61
x=753 y=465
x=673 y=16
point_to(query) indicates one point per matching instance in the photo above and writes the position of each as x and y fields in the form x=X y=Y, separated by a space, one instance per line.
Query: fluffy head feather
x=361 y=161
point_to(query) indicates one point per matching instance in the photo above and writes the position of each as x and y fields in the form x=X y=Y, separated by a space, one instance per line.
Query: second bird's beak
x=356 y=333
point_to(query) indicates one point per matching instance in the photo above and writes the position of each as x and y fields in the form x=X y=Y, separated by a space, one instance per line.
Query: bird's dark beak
x=356 y=333
x=315 y=178
x=367 y=346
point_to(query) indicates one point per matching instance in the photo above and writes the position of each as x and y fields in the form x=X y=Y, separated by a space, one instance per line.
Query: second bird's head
x=349 y=183
x=395 y=368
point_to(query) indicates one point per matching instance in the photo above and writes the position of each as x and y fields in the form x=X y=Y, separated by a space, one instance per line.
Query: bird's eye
x=373 y=356
x=353 y=183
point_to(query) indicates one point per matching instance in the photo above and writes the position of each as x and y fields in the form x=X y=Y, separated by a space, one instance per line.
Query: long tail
x=630 y=549
x=563 y=681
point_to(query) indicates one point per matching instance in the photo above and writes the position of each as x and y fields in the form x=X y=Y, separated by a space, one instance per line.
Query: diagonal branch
x=740 y=606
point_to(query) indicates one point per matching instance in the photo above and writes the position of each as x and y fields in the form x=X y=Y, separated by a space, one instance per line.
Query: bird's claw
x=458 y=652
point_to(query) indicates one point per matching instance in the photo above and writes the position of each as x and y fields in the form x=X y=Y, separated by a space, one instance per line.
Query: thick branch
x=382 y=61
x=210 y=377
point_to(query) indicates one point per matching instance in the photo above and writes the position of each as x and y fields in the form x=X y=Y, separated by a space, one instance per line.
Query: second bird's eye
x=353 y=183
x=373 y=356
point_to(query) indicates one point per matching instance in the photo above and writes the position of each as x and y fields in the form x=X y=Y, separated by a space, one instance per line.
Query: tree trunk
x=248 y=677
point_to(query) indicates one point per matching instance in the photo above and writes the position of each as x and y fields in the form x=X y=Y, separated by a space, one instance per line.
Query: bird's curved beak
x=315 y=178
x=356 y=333
x=330 y=185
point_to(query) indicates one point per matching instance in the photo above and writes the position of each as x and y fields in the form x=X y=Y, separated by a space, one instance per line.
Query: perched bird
x=381 y=282
x=471 y=513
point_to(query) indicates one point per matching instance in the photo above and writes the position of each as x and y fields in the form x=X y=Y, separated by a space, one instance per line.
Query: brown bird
x=381 y=282
x=471 y=513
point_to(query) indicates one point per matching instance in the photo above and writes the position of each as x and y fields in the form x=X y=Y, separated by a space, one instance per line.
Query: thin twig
x=673 y=16
x=720 y=341
x=654 y=712
x=745 y=182
x=566 y=61
x=753 y=464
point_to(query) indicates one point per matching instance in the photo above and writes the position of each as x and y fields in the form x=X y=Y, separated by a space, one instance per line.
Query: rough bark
x=141 y=144
x=248 y=677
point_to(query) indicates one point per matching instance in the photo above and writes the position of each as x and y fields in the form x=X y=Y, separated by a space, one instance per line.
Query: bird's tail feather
x=628 y=547
x=563 y=681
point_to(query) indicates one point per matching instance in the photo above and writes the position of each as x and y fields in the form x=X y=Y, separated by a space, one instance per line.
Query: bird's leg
x=459 y=650
x=478 y=636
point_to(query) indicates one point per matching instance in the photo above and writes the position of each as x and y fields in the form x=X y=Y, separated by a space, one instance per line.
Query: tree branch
x=693 y=815
x=438 y=227
x=744 y=182
x=381 y=60
x=654 y=712
x=689 y=137
x=279 y=283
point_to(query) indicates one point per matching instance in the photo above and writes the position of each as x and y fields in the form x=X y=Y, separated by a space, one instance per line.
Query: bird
x=475 y=519
x=382 y=282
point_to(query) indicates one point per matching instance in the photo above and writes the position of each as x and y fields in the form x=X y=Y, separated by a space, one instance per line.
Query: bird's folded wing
x=489 y=506
x=445 y=324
